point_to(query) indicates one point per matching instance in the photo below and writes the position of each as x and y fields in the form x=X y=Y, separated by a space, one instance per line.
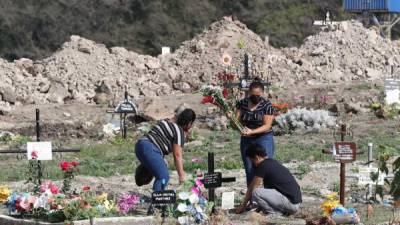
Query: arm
x=267 y=124
x=256 y=182
x=177 y=152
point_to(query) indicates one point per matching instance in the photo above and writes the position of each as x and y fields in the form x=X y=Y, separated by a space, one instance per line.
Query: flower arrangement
x=332 y=208
x=218 y=96
x=192 y=206
x=127 y=202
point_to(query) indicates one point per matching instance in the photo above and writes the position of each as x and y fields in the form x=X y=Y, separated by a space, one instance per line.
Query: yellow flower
x=109 y=205
x=4 y=194
x=102 y=198
x=332 y=196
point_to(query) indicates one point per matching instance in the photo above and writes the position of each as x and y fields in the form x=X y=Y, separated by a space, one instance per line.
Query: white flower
x=183 y=195
x=182 y=207
x=184 y=220
x=198 y=208
x=194 y=199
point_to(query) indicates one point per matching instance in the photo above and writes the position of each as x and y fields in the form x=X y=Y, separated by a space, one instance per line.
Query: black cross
x=123 y=109
x=39 y=164
x=246 y=79
x=214 y=180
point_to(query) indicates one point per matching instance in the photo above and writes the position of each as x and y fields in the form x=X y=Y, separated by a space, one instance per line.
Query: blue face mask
x=255 y=99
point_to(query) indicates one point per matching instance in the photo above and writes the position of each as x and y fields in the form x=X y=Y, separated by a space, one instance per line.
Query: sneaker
x=150 y=210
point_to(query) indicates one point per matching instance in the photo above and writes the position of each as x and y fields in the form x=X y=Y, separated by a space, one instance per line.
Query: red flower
x=225 y=93
x=86 y=188
x=34 y=154
x=54 y=189
x=74 y=163
x=64 y=165
x=207 y=99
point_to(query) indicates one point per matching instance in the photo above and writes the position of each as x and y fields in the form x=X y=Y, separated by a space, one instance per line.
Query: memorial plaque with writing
x=345 y=152
x=212 y=180
x=162 y=198
x=126 y=107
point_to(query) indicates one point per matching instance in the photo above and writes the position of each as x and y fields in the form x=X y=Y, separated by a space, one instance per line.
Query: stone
x=8 y=95
x=318 y=51
x=183 y=86
x=153 y=63
x=57 y=93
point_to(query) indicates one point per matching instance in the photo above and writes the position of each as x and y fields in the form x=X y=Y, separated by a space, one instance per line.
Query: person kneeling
x=280 y=194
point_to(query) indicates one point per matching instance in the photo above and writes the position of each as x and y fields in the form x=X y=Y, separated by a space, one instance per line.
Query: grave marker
x=392 y=91
x=124 y=108
x=163 y=198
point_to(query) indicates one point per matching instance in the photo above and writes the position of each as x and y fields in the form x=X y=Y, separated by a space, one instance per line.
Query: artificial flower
x=64 y=166
x=4 y=194
x=199 y=183
x=226 y=59
x=225 y=93
x=86 y=188
x=195 y=191
x=34 y=154
x=183 y=195
x=182 y=207
x=197 y=160
x=194 y=198
x=102 y=198
x=127 y=202
x=207 y=99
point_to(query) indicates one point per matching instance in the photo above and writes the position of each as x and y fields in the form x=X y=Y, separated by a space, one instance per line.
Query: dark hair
x=256 y=84
x=255 y=149
x=186 y=117
x=142 y=175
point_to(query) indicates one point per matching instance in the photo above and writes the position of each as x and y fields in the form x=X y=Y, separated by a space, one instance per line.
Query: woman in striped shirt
x=167 y=136
x=256 y=114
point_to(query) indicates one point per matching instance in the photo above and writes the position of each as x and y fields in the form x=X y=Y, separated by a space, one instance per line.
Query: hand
x=229 y=115
x=181 y=180
x=247 y=132
x=240 y=209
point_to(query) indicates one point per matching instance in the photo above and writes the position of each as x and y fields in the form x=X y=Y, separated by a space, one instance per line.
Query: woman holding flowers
x=256 y=114
x=167 y=136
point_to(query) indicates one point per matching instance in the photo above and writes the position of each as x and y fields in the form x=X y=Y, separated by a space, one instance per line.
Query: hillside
x=36 y=28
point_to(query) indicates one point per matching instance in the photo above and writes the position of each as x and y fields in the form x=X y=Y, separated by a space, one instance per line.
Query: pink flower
x=48 y=185
x=197 y=160
x=34 y=154
x=199 y=183
x=86 y=188
x=54 y=189
x=195 y=190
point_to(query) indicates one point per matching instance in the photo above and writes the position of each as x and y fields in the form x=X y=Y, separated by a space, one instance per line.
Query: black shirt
x=278 y=177
x=254 y=119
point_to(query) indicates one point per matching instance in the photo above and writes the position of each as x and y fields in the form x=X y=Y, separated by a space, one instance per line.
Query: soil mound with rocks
x=88 y=72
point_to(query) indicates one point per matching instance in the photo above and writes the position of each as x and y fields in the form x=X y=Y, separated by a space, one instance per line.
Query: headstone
x=165 y=50
x=212 y=180
x=39 y=151
x=392 y=91
x=228 y=200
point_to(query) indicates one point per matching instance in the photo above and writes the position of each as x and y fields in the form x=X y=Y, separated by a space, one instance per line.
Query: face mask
x=255 y=99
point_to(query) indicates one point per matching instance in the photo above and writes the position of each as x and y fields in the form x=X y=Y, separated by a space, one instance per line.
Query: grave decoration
x=341 y=215
x=192 y=206
x=55 y=203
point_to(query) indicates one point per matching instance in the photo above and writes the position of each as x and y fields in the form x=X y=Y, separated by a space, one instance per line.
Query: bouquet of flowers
x=337 y=212
x=192 y=206
x=218 y=96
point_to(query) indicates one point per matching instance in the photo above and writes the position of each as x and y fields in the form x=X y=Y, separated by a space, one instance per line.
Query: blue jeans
x=152 y=158
x=266 y=140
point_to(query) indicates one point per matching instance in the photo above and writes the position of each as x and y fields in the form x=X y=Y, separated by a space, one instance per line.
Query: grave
x=124 y=108
x=392 y=91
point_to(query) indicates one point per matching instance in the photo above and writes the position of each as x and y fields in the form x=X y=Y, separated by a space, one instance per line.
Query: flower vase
x=91 y=220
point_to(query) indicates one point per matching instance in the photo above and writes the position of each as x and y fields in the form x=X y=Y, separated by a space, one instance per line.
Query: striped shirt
x=164 y=134
x=254 y=119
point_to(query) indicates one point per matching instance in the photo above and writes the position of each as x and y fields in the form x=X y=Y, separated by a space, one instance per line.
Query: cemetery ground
x=108 y=164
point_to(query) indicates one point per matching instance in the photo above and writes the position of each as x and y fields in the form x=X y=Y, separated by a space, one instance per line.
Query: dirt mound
x=88 y=72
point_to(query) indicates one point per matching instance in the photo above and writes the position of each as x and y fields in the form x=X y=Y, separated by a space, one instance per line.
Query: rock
x=318 y=51
x=183 y=86
x=67 y=114
x=153 y=63
x=8 y=95
x=44 y=87
x=101 y=99
x=57 y=93
x=373 y=74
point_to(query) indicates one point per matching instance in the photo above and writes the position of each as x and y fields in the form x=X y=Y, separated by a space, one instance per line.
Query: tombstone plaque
x=163 y=198
x=345 y=152
x=212 y=180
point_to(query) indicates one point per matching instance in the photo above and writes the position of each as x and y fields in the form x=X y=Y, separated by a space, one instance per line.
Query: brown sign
x=345 y=152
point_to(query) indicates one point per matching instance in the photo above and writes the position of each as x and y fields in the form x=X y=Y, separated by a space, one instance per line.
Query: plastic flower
x=34 y=154
x=182 y=207
x=183 y=195
x=225 y=93
x=197 y=160
x=4 y=194
x=86 y=188
x=199 y=183
x=226 y=59
x=195 y=191
x=102 y=198
x=127 y=202
x=48 y=185
x=207 y=99
x=194 y=198
x=330 y=204
x=109 y=205
x=64 y=166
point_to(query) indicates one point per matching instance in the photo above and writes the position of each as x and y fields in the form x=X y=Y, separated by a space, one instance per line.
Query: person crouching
x=280 y=192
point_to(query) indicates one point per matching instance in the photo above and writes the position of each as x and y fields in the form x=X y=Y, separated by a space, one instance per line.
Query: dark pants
x=151 y=157
x=266 y=140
